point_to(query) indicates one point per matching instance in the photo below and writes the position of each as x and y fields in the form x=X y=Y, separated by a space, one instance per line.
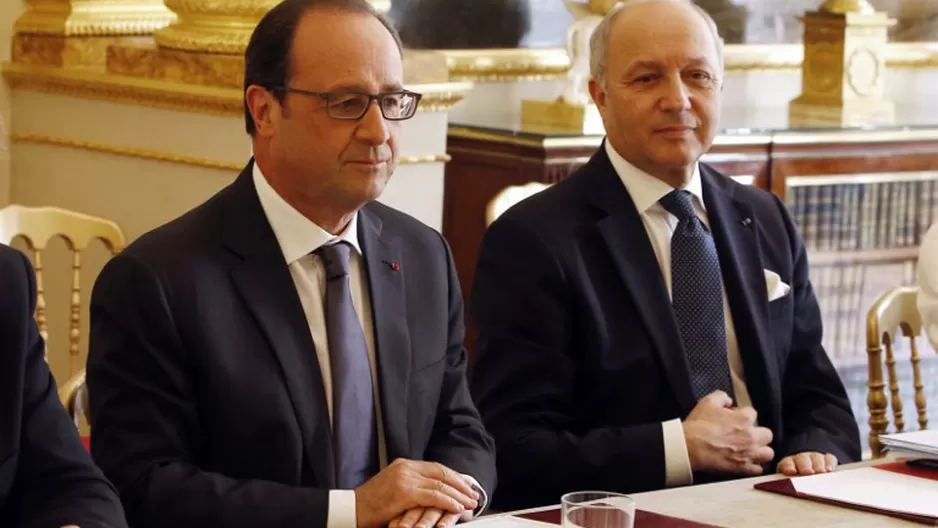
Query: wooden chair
x=37 y=226
x=893 y=311
x=74 y=397
x=510 y=196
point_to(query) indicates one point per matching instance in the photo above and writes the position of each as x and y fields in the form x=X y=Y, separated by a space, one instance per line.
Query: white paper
x=877 y=488
x=925 y=442
x=506 y=521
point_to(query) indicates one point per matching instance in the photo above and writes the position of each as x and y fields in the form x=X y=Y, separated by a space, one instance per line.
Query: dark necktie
x=354 y=425
x=697 y=297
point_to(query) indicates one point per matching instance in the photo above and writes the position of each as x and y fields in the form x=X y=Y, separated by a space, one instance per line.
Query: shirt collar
x=644 y=188
x=297 y=235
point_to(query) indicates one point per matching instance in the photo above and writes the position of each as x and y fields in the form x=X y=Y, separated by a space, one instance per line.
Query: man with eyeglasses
x=289 y=353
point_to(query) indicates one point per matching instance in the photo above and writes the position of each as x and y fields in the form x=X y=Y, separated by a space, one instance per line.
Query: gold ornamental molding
x=160 y=93
x=219 y=26
x=513 y=64
x=92 y=18
x=153 y=155
x=492 y=65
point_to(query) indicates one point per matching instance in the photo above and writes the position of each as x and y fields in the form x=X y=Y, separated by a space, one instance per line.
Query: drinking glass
x=597 y=509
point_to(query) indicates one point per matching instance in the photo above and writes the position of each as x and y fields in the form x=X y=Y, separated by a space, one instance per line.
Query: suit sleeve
x=816 y=413
x=57 y=483
x=459 y=440
x=146 y=426
x=526 y=374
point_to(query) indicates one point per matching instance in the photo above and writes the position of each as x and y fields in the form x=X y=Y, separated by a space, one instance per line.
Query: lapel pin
x=396 y=266
x=746 y=221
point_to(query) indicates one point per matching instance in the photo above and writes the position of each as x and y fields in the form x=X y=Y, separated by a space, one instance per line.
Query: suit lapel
x=392 y=341
x=264 y=282
x=734 y=230
x=627 y=241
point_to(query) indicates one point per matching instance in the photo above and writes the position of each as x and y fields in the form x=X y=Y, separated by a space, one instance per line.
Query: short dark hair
x=268 y=56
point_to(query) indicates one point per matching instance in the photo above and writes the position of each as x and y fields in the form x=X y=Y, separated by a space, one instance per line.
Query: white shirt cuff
x=483 y=500
x=341 y=509
x=676 y=460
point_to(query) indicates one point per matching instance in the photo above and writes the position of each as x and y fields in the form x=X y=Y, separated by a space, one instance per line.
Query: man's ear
x=264 y=107
x=598 y=94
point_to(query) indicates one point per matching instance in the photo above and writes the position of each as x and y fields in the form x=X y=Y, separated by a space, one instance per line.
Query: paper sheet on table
x=923 y=443
x=875 y=488
x=506 y=521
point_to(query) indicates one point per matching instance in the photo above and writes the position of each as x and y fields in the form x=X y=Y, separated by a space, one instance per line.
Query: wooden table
x=736 y=504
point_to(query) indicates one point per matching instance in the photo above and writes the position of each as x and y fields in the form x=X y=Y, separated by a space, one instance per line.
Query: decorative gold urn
x=844 y=66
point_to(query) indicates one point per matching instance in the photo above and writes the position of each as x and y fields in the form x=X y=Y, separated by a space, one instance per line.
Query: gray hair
x=599 y=40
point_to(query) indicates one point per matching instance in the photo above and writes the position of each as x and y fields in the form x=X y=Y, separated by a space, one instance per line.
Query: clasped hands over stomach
x=726 y=439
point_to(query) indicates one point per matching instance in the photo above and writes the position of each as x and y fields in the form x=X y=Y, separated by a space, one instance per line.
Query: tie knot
x=680 y=203
x=335 y=259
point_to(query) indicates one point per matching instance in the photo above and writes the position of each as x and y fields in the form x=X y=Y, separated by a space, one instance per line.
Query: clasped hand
x=410 y=493
x=726 y=439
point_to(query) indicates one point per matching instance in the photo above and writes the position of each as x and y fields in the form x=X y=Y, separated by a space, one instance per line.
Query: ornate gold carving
x=219 y=26
x=146 y=60
x=143 y=58
x=863 y=71
x=129 y=90
x=93 y=17
x=163 y=93
x=489 y=65
x=153 y=155
x=507 y=64
x=842 y=7
x=60 y=51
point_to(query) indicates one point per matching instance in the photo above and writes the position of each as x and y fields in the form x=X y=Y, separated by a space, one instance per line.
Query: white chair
x=509 y=196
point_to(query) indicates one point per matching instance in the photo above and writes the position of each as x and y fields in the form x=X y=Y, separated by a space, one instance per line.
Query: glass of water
x=597 y=509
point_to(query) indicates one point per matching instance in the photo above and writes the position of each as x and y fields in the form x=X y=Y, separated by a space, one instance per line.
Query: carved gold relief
x=164 y=93
x=153 y=155
x=219 y=26
x=93 y=17
x=65 y=52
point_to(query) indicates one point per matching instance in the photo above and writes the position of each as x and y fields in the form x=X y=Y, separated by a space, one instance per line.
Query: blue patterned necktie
x=354 y=425
x=697 y=297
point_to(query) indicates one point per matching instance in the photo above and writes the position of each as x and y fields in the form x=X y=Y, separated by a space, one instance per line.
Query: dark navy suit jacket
x=579 y=358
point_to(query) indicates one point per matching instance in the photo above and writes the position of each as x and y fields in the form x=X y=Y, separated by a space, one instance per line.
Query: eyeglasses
x=350 y=105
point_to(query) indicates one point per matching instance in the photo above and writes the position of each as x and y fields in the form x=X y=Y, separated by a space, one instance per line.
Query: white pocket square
x=774 y=285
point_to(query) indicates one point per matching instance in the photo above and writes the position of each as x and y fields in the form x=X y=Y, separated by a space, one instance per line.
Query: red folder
x=643 y=519
x=785 y=487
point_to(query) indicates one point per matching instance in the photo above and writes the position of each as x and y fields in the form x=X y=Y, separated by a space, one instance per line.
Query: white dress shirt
x=927 y=271
x=298 y=238
x=645 y=191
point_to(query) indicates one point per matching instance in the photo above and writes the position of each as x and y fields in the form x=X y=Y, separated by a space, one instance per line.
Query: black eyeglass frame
x=379 y=97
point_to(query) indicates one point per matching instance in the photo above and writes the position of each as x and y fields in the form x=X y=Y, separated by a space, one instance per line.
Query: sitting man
x=290 y=353
x=649 y=322
x=47 y=478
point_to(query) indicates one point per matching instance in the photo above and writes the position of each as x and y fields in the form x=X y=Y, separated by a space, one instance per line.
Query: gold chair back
x=37 y=226
x=74 y=397
x=895 y=310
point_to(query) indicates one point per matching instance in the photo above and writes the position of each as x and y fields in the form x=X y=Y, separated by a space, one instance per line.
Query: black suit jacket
x=579 y=358
x=47 y=478
x=206 y=397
